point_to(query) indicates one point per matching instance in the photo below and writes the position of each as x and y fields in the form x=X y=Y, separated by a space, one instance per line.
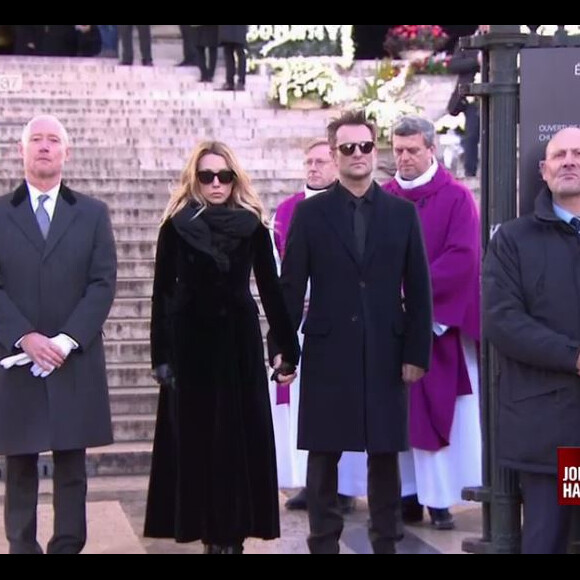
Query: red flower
x=415 y=37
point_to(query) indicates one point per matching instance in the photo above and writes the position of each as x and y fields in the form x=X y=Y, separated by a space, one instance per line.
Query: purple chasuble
x=451 y=228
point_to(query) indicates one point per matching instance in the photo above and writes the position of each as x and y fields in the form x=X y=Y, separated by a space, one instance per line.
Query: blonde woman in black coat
x=214 y=464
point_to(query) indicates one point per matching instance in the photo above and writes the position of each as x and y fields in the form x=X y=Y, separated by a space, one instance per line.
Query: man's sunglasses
x=225 y=177
x=348 y=149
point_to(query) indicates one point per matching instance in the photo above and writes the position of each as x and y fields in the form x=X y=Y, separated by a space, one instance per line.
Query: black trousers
x=384 y=496
x=233 y=53
x=189 y=48
x=69 y=503
x=547 y=525
x=126 y=35
x=206 y=66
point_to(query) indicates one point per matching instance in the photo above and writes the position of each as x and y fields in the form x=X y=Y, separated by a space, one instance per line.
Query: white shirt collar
x=312 y=192
x=420 y=181
x=50 y=204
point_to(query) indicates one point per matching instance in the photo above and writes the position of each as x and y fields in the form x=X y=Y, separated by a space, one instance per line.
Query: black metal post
x=500 y=97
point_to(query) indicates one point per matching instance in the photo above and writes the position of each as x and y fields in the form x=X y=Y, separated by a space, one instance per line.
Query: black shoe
x=346 y=504
x=298 y=502
x=441 y=519
x=147 y=63
x=236 y=550
x=125 y=63
x=227 y=87
x=412 y=510
x=241 y=87
x=212 y=549
x=186 y=63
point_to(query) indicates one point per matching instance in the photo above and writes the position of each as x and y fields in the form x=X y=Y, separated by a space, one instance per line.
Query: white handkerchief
x=18 y=360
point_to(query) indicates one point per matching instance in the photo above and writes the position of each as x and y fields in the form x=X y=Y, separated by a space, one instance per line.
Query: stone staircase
x=132 y=129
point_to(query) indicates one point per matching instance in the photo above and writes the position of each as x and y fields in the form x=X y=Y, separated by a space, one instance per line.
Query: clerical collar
x=310 y=192
x=420 y=181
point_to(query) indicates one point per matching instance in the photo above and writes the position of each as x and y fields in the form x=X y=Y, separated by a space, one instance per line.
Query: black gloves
x=164 y=376
x=285 y=370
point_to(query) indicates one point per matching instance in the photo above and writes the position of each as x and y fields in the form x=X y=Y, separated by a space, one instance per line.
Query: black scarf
x=216 y=231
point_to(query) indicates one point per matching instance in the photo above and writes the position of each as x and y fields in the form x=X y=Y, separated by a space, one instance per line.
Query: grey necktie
x=42 y=216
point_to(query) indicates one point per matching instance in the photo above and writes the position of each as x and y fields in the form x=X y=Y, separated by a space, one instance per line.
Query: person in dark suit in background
x=57 y=284
x=233 y=37
x=59 y=40
x=368 y=332
x=205 y=39
x=190 y=56
x=467 y=64
x=28 y=39
x=126 y=35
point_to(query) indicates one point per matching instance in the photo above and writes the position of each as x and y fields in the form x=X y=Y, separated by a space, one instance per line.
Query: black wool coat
x=66 y=285
x=366 y=318
x=214 y=463
x=531 y=289
x=233 y=34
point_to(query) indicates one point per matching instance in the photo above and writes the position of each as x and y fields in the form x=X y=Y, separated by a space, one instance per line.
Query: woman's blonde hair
x=243 y=194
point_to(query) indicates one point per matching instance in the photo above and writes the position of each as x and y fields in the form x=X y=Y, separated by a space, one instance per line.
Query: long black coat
x=233 y=33
x=205 y=35
x=214 y=463
x=531 y=283
x=65 y=284
x=359 y=332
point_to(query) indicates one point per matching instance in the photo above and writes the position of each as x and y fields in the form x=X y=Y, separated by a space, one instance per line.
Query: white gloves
x=62 y=341
x=19 y=360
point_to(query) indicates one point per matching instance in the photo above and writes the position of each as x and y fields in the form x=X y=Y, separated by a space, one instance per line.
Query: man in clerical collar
x=445 y=418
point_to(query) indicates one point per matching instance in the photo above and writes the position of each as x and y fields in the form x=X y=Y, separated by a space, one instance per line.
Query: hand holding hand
x=164 y=376
x=43 y=352
x=284 y=373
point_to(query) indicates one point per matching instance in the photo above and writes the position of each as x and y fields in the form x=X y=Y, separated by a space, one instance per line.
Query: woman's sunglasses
x=348 y=149
x=225 y=177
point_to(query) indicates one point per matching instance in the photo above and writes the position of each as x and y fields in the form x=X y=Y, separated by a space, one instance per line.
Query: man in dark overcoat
x=531 y=285
x=57 y=284
x=367 y=332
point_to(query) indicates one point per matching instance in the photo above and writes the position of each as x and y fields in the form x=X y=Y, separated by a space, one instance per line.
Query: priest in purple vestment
x=445 y=429
x=321 y=172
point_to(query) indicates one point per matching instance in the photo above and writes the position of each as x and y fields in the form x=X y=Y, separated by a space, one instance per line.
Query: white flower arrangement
x=277 y=35
x=306 y=78
x=385 y=102
x=450 y=124
x=550 y=29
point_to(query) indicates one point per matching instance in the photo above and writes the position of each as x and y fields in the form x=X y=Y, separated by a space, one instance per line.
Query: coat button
x=363 y=285
x=355 y=319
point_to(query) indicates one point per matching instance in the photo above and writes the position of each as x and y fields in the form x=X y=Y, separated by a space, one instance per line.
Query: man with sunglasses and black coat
x=367 y=332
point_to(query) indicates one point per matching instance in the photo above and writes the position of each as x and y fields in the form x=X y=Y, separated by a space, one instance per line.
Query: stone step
x=133 y=428
x=136 y=269
x=136 y=250
x=122 y=459
x=134 y=288
x=130 y=352
x=129 y=376
x=134 y=401
x=130 y=308
x=128 y=329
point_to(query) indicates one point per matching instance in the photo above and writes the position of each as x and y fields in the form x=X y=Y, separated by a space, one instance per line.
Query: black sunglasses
x=348 y=149
x=225 y=177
